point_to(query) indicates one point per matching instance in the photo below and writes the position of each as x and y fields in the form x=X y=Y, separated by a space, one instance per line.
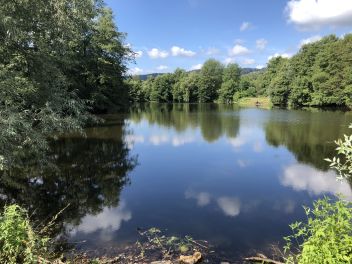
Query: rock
x=195 y=258
x=161 y=262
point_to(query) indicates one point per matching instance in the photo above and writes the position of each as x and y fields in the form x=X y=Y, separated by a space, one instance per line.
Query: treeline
x=213 y=82
x=59 y=61
x=320 y=74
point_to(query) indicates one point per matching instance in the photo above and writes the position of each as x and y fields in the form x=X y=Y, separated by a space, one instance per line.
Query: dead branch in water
x=263 y=259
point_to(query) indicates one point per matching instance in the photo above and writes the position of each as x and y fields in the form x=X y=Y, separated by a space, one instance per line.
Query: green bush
x=326 y=237
x=19 y=243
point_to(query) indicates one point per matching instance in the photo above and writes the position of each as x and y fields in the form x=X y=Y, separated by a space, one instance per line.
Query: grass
x=262 y=102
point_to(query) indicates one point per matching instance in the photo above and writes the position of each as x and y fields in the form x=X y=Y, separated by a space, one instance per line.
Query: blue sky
x=168 y=34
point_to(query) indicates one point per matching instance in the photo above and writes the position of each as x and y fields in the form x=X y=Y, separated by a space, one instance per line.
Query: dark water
x=234 y=177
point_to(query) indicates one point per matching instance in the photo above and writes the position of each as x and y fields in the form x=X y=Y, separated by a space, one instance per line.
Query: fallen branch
x=263 y=260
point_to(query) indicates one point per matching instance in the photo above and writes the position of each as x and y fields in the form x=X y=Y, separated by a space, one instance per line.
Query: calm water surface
x=235 y=177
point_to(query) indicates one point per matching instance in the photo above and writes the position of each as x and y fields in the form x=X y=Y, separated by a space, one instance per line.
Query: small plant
x=168 y=246
x=343 y=163
x=19 y=243
x=325 y=238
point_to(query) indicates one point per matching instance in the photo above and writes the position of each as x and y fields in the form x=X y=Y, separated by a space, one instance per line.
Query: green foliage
x=210 y=81
x=213 y=82
x=343 y=162
x=326 y=237
x=230 y=83
x=19 y=243
x=58 y=60
x=318 y=75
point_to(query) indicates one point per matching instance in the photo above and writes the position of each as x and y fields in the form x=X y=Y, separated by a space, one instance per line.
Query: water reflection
x=84 y=174
x=229 y=205
x=309 y=135
x=213 y=120
x=306 y=178
x=107 y=221
x=202 y=198
x=235 y=177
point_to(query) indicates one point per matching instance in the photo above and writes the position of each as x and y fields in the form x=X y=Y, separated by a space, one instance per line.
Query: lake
x=236 y=177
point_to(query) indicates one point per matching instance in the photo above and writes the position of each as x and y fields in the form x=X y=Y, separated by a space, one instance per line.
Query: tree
x=210 y=80
x=230 y=82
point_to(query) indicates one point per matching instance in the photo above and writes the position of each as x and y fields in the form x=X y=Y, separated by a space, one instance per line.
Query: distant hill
x=248 y=70
x=144 y=77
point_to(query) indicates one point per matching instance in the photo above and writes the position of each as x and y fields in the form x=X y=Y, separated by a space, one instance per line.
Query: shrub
x=19 y=243
x=326 y=237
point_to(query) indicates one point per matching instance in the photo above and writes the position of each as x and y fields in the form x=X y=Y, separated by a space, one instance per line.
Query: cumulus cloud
x=109 y=220
x=230 y=206
x=181 y=140
x=157 y=54
x=306 y=178
x=283 y=55
x=314 y=14
x=175 y=141
x=237 y=142
x=310 y=40
x=239 y=50
x=261 y=44
x=197 y=67
x=248 y=61
x=162 y=67
x=158 y=139
x=202 y=198
x=229 y=60
x=135 y=71
x=245 y=25
x=177 y=51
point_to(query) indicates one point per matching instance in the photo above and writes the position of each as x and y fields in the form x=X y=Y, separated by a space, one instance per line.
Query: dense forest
x=320 y=74
x=60 y=61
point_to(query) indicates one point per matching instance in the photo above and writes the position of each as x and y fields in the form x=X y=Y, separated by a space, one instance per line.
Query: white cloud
x=197 y=66
x=162 y=67
x=237 y=142
x=260 y=66
x=261 y=44
x=158 y=139
x=248 y=61
x=310 y=40
x=238 y=50
x=230 y=206
x=245 y=25
x=177 y=51
x=283 y=55
x=306 y=178
x=157 y=54
x=181 y=140
x=135 y=71
x=229 y=60
x=313 y=14
x=202 y=198
x=138 y=54
x=110 y=219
